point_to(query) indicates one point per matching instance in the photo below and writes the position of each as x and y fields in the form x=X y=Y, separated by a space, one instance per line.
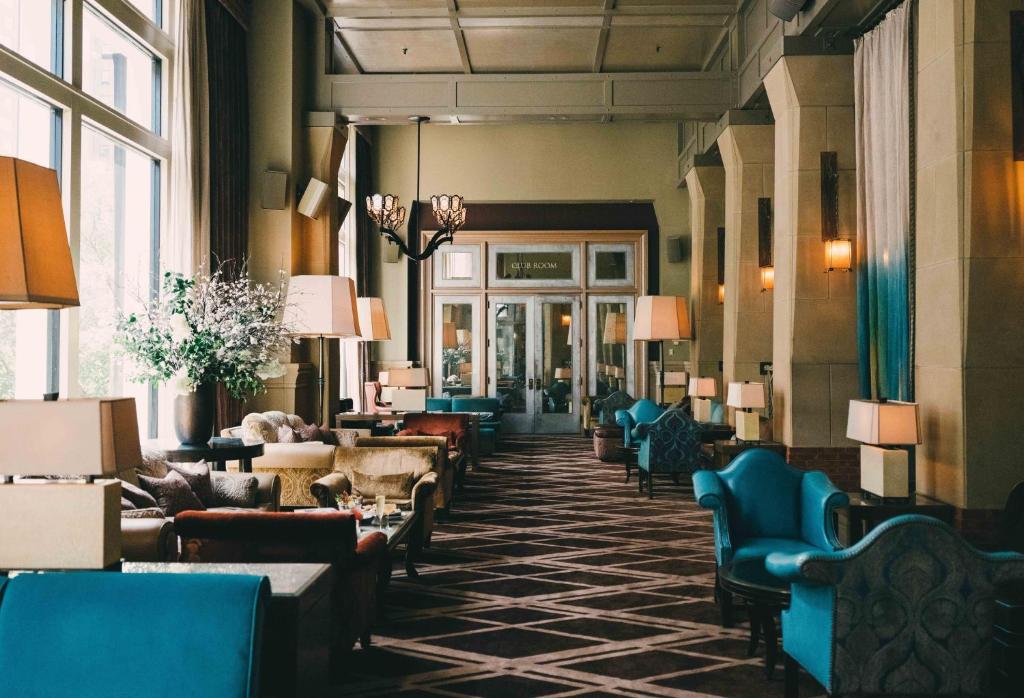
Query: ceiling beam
x=548 y=96
x=337 y=9
x=460 y=38
x=602 y=39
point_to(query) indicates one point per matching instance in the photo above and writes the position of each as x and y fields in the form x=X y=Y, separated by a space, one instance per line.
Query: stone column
x=815 y=333
x=706 y=186
x=748 y=153
x=969 y=348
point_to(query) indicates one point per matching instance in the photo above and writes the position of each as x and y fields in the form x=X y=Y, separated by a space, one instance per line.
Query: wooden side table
x=863 y=514
x=725 y=451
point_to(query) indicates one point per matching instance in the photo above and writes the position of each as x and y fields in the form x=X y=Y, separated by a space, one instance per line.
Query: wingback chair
x=669 y=445
x=908 y=610
x=763 y=505
x=641 y=412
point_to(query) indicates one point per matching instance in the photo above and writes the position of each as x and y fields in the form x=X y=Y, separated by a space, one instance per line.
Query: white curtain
x=186 y=244
x=882 y=99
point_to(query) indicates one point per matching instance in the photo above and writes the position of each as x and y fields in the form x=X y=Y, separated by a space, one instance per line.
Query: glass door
x=610 y=344
x=557 y=359
x=510 y=359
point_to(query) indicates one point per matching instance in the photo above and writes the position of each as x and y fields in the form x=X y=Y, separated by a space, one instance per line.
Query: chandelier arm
x=393 y=237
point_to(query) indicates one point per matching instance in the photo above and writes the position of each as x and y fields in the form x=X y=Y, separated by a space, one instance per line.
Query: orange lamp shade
x=373 y=319
x=838 y=255
x=449 y=338
x=614 y=328
x=35 y=258
x=721 y=294
x=767 y=278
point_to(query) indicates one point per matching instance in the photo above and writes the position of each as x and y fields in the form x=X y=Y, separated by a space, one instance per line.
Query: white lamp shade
x=322 y=306
x=661 y=318
x=563 y=373
x=88 y=436
x=373 y=319
x=672 y=378
x=407 y=378
x=703 y=387
x=614 y=328
x=35 y=258
x=890 y=423
x=746 y=395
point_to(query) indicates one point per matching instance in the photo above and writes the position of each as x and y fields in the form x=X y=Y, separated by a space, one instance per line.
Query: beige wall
x=706 y=188
x=531 y=162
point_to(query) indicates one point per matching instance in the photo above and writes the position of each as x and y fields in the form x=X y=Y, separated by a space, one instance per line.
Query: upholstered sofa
x=301 y=536
x=60 y=634
x=371 y=471
x=489 y=409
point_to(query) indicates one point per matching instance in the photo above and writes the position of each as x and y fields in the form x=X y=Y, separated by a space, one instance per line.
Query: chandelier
x=449 y=212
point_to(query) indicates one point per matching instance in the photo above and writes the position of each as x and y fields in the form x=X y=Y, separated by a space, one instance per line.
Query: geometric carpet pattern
x=553 y=577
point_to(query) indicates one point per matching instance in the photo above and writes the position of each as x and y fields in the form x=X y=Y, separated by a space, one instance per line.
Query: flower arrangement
x=208 y=329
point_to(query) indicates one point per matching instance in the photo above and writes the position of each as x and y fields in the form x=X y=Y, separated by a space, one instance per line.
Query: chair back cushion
x=671 y=443
x=645 y=411
x=439 y=424
x=385 y=460
x=439 y=404
x=608 y=406
x=59 y=634
x=762 y=496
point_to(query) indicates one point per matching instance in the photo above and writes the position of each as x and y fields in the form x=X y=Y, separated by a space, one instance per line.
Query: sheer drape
x=882 y=98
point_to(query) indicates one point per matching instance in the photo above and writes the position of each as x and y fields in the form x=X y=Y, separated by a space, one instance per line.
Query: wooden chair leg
x=725 y=604
x=792 y=677
x=650 y=485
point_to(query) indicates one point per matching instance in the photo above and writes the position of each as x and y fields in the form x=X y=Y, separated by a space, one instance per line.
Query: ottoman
x=608 y=444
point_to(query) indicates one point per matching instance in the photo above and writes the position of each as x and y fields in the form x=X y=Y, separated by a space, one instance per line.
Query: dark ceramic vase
x=194 y=414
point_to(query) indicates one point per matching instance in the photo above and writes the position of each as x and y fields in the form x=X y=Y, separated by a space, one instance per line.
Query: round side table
x=765 y=596
x=216 y=456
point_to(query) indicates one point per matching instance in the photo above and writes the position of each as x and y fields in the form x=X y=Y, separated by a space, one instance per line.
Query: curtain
x=364 y=240
x=229 y=161
x=186 y=246
x=882 y=104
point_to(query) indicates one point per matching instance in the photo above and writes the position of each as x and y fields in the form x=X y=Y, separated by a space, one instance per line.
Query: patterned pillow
x=153 y=464
x=233 y=491
x=287 y=435
x=343 y=437
x=309 y=432
x=148 y=513
x=126 y=505
x=397 y=486
x=172 y=493
x=197 y=475
x=138 y=497
x=256 y=427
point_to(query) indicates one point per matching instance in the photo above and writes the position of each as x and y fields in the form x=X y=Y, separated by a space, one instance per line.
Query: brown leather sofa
x=364 y=468
x=301 y=536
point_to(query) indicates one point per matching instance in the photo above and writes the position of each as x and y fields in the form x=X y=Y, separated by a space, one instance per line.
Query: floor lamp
x=322 y=307
x=374 y=327
x=660 y=318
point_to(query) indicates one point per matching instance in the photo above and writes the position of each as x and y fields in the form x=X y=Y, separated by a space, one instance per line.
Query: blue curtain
x=882 y=104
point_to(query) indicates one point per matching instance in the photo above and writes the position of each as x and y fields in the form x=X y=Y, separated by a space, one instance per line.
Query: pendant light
x=449 y=211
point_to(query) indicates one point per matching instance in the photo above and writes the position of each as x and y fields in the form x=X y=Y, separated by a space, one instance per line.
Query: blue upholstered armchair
x=763 y=505
x=641 y=412
x=669 y=445
x=907 y=610
x=608 y=406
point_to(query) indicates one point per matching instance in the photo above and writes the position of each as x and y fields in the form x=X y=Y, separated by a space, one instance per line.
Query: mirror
x=457 y=373
x=610 y=341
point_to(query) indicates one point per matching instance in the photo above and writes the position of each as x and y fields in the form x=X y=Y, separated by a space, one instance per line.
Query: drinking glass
x=382 y=519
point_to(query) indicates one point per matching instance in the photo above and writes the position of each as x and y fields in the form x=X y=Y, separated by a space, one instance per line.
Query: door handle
x=529 y=384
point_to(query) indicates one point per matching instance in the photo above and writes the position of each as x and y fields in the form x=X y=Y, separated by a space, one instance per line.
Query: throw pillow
x=197 y=475
x=397 y=486
x=139 y=497
x=126 y=505
x=308 y=432
x=231 y=491
x=256 y=428
x=287 y=435
x=148 y=513
x=172 y=493
x=153 y=464
x=344 y=437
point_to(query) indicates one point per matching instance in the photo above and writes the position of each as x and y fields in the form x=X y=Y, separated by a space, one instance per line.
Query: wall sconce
x=566 y=320
x=764 y=244
x=721 y=266
x=838 y=251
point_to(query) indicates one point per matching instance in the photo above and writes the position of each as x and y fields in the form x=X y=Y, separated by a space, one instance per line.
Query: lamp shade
x=661 y=317
x=35 y=258
x=449 y=338
x=890 y=423
x=463 y=337
x=614 y=328
x=618 y=372
x=322 y=306
x=746 y=395
x=672 y=378
x=89 y=436
x=408 y=378
x=563 y=373
x=373 y=319
x=702 y=387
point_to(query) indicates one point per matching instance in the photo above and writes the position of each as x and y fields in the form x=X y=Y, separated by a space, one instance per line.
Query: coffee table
x=408 y=530
x=297 y=632
x=217 y=456
x=765 y=596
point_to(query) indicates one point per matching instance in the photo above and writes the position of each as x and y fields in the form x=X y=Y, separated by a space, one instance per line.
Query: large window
x=112 y=168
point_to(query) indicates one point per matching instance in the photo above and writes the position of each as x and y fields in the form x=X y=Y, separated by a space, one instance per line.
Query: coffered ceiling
x=527 y=36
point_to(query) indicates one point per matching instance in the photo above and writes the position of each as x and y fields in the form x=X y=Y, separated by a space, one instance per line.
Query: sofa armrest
x=789 y=566
x=268 y=486
x=148 y=540
x=624 y=419
x=819 y=499
x=326 y=489
x=708 y=491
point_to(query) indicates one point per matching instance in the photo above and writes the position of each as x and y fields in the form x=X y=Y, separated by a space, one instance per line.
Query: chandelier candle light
x=449 y=212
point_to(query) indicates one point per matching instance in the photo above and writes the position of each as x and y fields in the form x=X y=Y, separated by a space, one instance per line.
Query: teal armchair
x=763 y=505
x=107 y=634
x=908 y=610
x=641 y=412
x=607 y=406
x=671 y=445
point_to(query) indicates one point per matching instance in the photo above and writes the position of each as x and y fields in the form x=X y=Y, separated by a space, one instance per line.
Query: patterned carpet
x=554 y=578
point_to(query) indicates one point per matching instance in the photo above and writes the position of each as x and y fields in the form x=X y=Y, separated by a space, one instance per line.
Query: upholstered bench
x=608 y=444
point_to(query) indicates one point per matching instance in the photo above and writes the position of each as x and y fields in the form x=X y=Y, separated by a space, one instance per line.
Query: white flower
x=181 y=384
x=271 y=369
x=180 y=331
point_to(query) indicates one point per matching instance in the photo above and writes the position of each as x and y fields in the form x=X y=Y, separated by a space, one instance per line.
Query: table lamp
x=373 y=327
x=659 y=318
x=412 y=393
x=701 y=392
x=746 y=397
x=61 y=524
x=322 y=306
x=880 y=425
x=674 y=388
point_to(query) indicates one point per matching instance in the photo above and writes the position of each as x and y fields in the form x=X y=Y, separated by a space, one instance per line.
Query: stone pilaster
x=706 y=186
x=815 y=313
x=748 y=153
